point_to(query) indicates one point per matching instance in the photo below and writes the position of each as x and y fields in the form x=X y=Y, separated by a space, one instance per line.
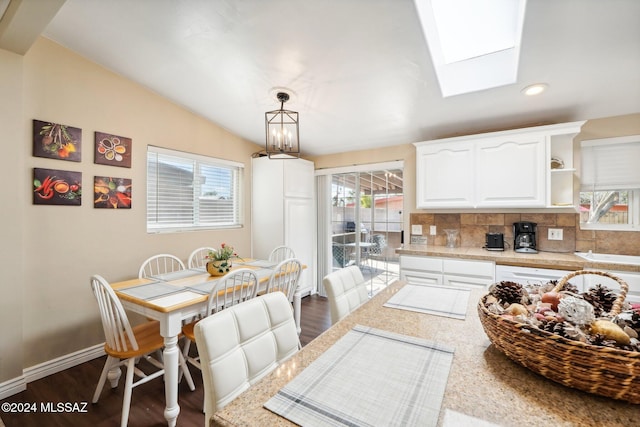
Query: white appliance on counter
x=530 y=275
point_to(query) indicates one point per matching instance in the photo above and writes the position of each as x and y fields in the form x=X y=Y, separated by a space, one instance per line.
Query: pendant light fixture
x=282 y=134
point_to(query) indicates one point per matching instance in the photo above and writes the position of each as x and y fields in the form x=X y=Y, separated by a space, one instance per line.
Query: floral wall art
x=111 y=193
x=56 y=141
x=57 y=187
x=112 y=150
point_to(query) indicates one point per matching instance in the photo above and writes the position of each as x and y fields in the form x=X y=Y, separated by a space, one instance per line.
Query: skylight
x=474 y=44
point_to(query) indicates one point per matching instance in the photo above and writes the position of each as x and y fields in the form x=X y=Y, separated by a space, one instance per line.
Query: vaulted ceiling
x=359 y=70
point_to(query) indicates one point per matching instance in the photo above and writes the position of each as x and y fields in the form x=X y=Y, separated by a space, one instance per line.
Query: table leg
x=170 y=356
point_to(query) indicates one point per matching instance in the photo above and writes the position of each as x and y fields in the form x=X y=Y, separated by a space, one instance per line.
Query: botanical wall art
x=111 y=193
x=57 y=187
x=112 y=150
x=56 y=141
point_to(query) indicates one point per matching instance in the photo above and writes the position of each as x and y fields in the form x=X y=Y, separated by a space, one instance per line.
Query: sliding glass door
x=363 y=221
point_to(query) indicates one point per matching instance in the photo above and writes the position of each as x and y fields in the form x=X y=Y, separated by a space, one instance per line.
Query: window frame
x=615 y=172
x=633 y=215
x=236 y=187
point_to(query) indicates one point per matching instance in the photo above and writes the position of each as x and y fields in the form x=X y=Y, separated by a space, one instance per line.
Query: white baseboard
x=13 y=386
x=33 y=373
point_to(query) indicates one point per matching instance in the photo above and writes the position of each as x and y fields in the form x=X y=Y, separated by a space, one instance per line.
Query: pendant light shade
x=282 y=134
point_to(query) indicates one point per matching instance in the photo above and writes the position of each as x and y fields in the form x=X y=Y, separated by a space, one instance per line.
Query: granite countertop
x=552 y=260
x=483 y=383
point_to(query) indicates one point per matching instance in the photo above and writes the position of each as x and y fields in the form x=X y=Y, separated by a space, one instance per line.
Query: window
x=192 y=192
x=610 y=184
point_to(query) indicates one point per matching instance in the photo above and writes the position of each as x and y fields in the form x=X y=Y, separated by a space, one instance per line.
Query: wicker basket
x=603 y=371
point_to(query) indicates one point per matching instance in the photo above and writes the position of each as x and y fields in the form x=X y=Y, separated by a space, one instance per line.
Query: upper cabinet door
x=511 y=171
x=444 y=175
x=298 y=178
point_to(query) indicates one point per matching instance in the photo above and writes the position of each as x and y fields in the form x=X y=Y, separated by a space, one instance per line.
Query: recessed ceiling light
x=534 y=89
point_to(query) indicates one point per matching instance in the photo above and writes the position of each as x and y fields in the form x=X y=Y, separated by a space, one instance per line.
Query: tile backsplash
x=474 y=226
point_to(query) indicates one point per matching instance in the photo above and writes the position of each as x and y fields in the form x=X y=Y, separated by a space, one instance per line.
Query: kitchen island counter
x=482 y=383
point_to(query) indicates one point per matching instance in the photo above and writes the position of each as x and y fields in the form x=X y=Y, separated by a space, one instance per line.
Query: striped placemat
x=151 y=290
x=444 y=301
x=370 y=377
x=180 y=274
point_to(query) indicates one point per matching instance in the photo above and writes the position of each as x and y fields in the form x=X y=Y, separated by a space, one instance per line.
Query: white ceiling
x=360 y=69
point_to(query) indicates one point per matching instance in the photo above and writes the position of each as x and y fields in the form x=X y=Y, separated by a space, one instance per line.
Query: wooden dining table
x=483 y=386
x=173 y=297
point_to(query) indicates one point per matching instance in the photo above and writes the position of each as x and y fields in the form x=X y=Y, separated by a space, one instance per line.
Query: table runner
x=444 y=301
x=369 y=377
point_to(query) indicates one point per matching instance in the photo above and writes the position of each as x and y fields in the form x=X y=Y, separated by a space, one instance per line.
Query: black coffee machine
x=524 y=236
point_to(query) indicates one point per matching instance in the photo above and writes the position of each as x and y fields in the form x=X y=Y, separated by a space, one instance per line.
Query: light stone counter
x=482 y=382
x=552 y=260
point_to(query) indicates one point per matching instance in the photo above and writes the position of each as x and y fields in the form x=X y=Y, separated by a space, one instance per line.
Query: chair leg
x=186 y=372
x=106 y=371
x=128 y=388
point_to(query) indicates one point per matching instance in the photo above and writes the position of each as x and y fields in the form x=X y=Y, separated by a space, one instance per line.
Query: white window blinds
x=610 y=164
x=187 y=191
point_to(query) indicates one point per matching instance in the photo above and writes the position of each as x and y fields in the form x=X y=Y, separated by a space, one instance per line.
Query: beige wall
x=63 y=246
x=11 y=232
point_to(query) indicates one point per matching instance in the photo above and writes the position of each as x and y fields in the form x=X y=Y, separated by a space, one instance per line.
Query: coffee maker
x=524 y=235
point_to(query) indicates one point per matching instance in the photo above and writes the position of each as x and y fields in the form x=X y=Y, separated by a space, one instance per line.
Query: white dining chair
x=240 y=345
x=236 y=287
x=346 y=290
x=160 y=264
x=198 y=258
x=280 y=253
x=285 y=278
x=125 y=344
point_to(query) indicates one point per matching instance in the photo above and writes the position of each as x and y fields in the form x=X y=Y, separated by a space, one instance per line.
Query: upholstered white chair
x=124 y=345
x=197 y=258
x=346 y=290
x=285 y=277
x=160 y=264
x=240 y=345
x=236 y=287
x=281 y=253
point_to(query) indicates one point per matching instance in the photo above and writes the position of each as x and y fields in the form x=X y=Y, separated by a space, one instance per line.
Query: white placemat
x=444 y=301
x=369 y=377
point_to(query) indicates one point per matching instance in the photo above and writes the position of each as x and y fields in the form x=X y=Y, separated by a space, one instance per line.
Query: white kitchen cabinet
x=445 y=175
x=420 y=269
x=511 y=171
x=508 y=169
x=283 y=212
x=446 y=271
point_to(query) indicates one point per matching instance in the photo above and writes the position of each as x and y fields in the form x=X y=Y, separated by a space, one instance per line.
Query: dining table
x=479 y=385
x=174 y=297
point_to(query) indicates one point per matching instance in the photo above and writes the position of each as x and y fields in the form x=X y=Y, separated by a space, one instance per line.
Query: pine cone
x=601 y=298
x=599 y=339
x=507 y=292
x=549 y=325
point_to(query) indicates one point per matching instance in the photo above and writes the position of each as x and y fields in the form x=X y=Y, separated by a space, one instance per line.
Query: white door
x=299 y=232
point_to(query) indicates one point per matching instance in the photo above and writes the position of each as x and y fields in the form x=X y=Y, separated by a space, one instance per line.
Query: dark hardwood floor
x=76 y=386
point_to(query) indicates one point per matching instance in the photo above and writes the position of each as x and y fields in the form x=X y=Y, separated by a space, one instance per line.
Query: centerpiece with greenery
x=219 y=260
